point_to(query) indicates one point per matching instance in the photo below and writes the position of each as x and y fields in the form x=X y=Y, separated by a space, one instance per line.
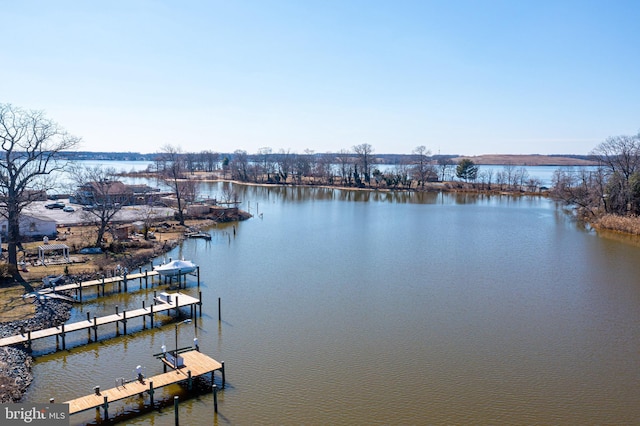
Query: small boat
x=175 y=267
x=203 y=235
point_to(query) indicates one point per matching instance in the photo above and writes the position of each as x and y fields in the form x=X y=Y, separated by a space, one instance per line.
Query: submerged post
x=219 y=311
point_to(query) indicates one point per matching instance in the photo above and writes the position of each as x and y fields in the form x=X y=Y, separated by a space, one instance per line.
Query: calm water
x=345 y=307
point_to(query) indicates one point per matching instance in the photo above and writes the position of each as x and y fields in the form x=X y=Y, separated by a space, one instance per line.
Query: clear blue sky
x=459 y=77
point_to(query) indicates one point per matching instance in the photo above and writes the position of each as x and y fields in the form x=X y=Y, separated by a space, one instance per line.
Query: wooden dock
x=195 y=364
x=119 y=280
x=162 y=303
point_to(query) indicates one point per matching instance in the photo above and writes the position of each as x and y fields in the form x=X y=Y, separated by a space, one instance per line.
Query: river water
x=348 y=307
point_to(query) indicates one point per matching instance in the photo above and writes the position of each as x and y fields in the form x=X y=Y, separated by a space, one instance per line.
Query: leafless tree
x=422 y=169
x=324 y=168
x=581 y=189
x=173 y=175
x=30 y=145
x=97 y=188
x=345 y=164
x=364 y=154
x=239 y=166
x=445 y=167
x=619 y=159
x=284 y=164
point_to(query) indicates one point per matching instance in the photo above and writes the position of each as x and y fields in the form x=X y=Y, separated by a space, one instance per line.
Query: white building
x=31 y=226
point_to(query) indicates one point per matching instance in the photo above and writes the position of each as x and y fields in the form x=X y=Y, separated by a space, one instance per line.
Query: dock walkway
x=161 y=304
x=195 y=364
x=120 y=280
x=104 y=281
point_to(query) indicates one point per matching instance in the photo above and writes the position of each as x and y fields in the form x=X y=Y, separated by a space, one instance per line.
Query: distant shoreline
x=560 y=160
x=528 y=160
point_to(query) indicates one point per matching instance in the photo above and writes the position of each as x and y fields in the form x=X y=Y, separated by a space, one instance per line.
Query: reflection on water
x=355 y=307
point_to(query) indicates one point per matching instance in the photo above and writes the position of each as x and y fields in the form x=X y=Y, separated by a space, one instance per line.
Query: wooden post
x=144 y=318
x=102 y=286
x=198 y=274
x=106 y=408
x=95 y=328
x=223 y=375
x=89 y=329
x=80 y=289
x=151 y=315
x=219 y=311
x=124 y=321
x=175 y=409
x=124 y=277
x=151 y=392
x=177 y=309
x=189 y=380
x=64 y=346
x=215 y=398
x=200 y=302
x=29 y=338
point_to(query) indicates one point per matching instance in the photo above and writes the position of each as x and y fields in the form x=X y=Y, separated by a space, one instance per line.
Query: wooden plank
x=196 y=362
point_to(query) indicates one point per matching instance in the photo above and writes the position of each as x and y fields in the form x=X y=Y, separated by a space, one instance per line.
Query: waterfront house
x=31 y=226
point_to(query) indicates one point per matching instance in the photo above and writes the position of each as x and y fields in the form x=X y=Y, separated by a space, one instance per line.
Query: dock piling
x=151 y=392
x=175 y=408
x=215 y=398
x=95 y=328
x=106 y=408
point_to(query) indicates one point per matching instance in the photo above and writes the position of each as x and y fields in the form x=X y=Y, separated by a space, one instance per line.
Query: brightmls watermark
x=34 y=414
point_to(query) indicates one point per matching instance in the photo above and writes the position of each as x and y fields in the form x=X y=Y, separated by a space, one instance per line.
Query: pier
x=122 y=281
x=194 y=364
x=164 y=302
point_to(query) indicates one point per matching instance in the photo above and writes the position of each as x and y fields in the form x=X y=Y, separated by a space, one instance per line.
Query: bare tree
x=445 y=167
x=239 y=165
x=30 y=147
x=364 y=152
x=173 y=175
x=98 y=189
x=421 y=168
x=345 y=162
x=619 y=159
x=284 y=164
x=582 y=190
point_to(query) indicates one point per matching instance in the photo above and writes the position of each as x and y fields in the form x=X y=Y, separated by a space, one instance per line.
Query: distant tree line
x=358 y=167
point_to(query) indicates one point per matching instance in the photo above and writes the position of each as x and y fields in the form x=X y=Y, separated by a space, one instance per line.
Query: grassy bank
x=623 y=224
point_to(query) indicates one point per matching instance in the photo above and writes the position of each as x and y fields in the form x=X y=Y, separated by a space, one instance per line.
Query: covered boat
x=175 y=267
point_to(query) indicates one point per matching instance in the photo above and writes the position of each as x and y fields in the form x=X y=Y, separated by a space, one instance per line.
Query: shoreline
x=16 y=361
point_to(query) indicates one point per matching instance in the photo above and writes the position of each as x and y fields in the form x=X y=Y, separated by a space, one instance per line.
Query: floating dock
x=194 y=364
x=161 y=303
